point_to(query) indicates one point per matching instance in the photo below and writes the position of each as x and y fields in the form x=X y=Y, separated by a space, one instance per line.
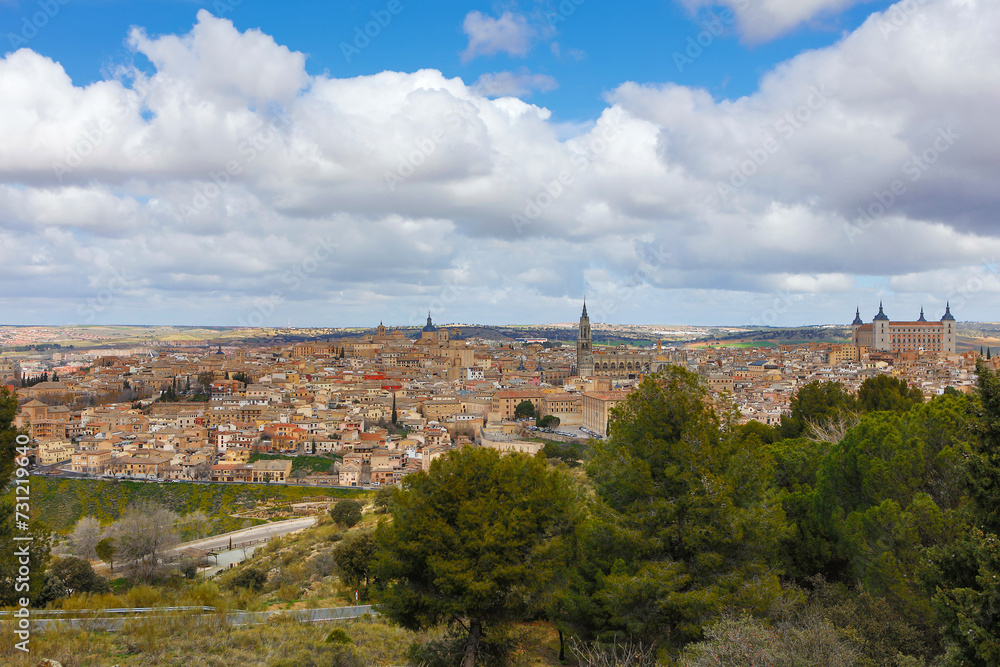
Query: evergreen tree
x=477 y=542
x=687 y=525
x=966 y=573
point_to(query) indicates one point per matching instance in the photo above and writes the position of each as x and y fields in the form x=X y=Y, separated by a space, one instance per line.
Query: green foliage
x=476 y=540
x=885 y=393
x=346 y=513
x=383 y=499
x=689 y=524
x=817 y=403
x=570 y=452
x=965 y=574
x=889 y=491
x=106 y=551
x=247 y=577
x=548 y=421
x=524 y=410
x=70 y=576
x=12 y=589
x=338 y=636
x=300 y=464
x=355 y=557
x=64 y=501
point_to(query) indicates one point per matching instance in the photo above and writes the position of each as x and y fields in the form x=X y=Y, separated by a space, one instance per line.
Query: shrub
x=346 y=513
x=247 y=578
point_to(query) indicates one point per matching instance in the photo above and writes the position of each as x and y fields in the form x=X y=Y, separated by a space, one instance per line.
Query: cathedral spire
x=585 y=308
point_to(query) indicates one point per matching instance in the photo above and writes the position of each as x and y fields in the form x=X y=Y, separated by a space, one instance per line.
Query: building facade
x=584 y=347
x=884 y=335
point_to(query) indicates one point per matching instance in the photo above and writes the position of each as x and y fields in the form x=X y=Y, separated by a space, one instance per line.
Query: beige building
x=54 y=451
x=91 y=462
x=505 y=401
x=597 y=406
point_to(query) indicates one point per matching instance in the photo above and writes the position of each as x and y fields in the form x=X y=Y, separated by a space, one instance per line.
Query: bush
x=346 y=513
x=338 y=636
x=248 y=578
x=288 y=592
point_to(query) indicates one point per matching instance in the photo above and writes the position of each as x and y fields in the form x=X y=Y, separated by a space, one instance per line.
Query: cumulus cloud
x=212 y=195
x=510 y=33
x=762 y=20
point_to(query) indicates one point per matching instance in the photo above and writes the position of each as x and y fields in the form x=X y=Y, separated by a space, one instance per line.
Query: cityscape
x=533 y=333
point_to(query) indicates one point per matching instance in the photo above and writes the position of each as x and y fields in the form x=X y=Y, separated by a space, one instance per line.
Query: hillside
x=62 y=502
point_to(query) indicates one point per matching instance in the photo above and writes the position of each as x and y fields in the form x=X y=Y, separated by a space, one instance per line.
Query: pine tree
x=395 y=417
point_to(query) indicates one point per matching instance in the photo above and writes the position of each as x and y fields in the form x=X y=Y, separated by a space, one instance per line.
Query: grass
x=310 y=464
x=61 y=502
x=300 y=576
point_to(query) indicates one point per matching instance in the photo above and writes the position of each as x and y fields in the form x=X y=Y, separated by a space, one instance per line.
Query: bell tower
x=584 y=347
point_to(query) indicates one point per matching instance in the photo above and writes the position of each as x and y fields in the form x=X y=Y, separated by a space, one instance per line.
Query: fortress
x=920 y=335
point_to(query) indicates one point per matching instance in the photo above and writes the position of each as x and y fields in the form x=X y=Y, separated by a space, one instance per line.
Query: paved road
x=221 y=542
x=263 y=532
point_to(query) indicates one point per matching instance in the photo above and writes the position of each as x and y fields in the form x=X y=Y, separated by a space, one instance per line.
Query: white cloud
x=762 y=20
x=213 y=190
x=511 y=34
x=519 y=84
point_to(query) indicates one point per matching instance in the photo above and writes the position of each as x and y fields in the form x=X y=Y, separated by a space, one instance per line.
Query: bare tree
x=143 y=535
x=87 y=532
x=198 y=524
x=619 y=654
x=833 y=429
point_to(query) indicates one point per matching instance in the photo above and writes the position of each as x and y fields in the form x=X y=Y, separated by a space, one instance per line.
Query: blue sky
x=600 y=44
x=164 y=164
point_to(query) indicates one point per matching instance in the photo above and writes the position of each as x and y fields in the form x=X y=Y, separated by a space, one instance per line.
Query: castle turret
x=949 y=335
x=881 y=339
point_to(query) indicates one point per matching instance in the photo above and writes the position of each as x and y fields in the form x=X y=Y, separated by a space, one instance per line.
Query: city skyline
x=693 y=162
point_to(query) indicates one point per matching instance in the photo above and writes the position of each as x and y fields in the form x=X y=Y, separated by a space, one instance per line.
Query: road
x=221 y=542
x=263 y=532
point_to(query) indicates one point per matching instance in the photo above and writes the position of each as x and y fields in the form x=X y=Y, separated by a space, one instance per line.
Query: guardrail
x=116 y=623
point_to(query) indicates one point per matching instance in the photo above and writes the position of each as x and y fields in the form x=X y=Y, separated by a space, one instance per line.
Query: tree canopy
x=346 y=513
x=473 y=542
x=884 y=392
x=686 y=527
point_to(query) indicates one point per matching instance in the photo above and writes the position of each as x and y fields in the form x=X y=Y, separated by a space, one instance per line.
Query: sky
x=703 y=162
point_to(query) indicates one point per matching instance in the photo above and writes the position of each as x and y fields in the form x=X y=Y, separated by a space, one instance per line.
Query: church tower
x=584 y=347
